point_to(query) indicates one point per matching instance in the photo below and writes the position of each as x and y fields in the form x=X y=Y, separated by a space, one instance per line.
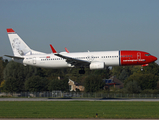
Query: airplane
x=92 y=60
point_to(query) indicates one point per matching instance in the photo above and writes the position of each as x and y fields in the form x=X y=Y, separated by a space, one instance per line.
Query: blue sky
x=81 y=25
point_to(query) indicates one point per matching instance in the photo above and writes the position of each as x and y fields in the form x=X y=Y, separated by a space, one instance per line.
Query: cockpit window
x=147 y=54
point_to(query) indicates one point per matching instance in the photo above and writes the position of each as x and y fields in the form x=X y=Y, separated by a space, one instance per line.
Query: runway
x=71 y=119
x=74 y=99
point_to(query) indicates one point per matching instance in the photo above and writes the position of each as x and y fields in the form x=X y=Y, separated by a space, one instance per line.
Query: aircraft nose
x=154 y=58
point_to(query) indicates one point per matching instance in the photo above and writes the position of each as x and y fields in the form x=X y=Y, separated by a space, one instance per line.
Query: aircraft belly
x=112 y=62
x=52 y=64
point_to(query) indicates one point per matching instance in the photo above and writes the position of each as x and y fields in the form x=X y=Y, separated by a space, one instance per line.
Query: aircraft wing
x=74 y=61
x=14 y=57
x=70 y=60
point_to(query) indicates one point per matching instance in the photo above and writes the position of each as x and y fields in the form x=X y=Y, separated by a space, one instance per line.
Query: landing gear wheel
x=81 y=71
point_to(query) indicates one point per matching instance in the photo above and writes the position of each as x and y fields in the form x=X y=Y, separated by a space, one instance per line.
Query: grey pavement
x=74 y=99
x=71 y=119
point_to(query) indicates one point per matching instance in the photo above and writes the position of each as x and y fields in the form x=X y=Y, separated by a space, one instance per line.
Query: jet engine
x=97 y=65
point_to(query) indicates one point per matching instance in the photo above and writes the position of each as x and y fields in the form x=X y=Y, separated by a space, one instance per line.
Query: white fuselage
x=94 y=60
x=110 y=58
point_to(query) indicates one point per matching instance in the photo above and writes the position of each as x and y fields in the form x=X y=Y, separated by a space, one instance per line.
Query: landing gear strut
x=82 y=71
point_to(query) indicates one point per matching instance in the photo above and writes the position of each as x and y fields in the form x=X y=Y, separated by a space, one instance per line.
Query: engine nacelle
x=97 y=65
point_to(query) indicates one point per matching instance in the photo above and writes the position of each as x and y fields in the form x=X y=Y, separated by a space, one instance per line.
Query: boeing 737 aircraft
x=93 y=60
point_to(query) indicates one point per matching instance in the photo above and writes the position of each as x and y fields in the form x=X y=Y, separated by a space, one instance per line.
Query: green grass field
x=79 y=109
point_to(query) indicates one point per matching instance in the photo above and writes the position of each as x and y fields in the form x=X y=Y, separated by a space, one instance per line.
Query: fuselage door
x=34 y=60
x=138 y=56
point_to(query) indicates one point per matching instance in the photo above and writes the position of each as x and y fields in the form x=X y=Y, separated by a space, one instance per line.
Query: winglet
x=52 y=48
x=10 y=30
x=66 y=50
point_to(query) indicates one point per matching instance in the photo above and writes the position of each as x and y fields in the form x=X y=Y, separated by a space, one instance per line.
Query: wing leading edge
x=73 y=61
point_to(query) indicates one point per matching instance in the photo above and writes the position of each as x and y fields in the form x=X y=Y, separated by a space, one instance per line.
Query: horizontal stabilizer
x=17 y=57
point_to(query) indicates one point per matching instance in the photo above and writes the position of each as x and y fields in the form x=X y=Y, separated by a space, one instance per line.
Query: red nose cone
x=154 y=58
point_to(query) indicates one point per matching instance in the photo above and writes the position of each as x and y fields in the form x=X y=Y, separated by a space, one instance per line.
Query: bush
x=150 y=91
x=93 y=83
x=132 y=87
x=36 y=84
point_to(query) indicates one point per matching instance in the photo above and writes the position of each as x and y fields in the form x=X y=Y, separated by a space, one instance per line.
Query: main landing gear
x=82 y=71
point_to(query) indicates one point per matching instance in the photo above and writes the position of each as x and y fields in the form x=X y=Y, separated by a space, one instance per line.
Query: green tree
x=116 y=70
x=2 y=85
x=5 y=62
x=145 y=81
x=1 y=69
x=18 y=72
x=36 y=84
x=123 y=75
x=93 y=83
x=53 y=73
x=152 y=68
x=105 y=73
x=122 y=72
x=56 y=84
x=14 y=71
x=64 y=84
x=136 y=69
x=132 y=87
x=12 y=85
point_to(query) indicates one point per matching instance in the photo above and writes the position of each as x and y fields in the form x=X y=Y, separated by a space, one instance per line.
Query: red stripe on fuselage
x=135 y=58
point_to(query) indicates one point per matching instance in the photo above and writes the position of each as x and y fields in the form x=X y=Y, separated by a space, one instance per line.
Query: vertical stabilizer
x=19 y=47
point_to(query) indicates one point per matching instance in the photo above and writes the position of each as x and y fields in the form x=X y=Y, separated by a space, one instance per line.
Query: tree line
x=15 y=77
